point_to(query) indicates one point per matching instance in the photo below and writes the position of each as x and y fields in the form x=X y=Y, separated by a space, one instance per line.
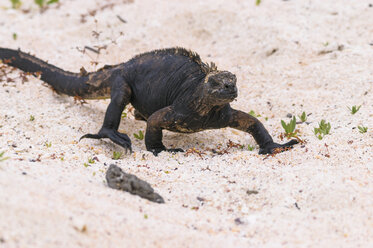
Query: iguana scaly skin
x=170 y=89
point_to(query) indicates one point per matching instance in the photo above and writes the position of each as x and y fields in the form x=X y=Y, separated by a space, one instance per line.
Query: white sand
x=64 y=204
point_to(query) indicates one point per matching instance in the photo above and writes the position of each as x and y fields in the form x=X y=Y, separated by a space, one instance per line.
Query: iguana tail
x=72 y=84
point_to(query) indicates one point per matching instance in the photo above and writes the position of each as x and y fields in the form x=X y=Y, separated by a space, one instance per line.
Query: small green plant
x=303 y=117
x=48 y=144
x=362 y=129
x=250 y=147
x=322 y=130
x=43 y=3
x=86 y=165
x=289 y=127
x=253 y=114
x=2 y=158
x=32 y=118
x=139 y=136
x=354 y=109
x=146 y=216
x=117 y=155
x=14 y=36
x=16 y=4
x=258 y=2
x=91 y=160
x=124 y=115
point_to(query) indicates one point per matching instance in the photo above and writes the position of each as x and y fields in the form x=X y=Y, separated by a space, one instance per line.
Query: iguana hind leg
x=247 y=123
x=120 y=97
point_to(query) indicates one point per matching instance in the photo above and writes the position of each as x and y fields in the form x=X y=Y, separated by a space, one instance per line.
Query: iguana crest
x=193 y=56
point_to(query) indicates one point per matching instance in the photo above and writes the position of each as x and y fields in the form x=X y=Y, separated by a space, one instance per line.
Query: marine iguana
x=169 y=88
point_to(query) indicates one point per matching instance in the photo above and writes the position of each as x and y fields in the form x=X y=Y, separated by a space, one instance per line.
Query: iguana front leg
x=161 y=119
x=120 y=97
x=247 y=123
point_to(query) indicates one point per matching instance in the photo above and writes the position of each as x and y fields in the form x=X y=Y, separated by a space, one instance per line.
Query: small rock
x=238 y=221
x=251 y=192
x=118 y=179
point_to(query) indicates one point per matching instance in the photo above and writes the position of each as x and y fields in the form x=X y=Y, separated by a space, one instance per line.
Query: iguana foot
x=175 y=150
x=270 y=148
x=158 y=150
x=118 y=138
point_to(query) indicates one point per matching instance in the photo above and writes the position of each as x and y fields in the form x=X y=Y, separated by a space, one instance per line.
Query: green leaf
x=250 y=147
x=303 y=117
x=322 y=130
x=16 y=4
x=362 y=129
x=252 y=113
x=139 y=136
x=40 y=3
x=2 y=158
x=292 y=123
x=117 y=155
x=354 y=109
x=284 y=125
x=52 y=1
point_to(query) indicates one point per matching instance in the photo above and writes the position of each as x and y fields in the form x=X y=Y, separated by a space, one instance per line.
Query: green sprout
x=354 y=109
x=250 y=147
x=14 y=36
x=258 y=2
x=362 y=129
x=303 y=117
x=16 y=4
x=42 y=3
x=322 y=130
x=2 y=158
x=48 y=144
x=32 y=118
x=117 y=155
x=289 y=127
x=139 y=136
x=91 y=160
x=124 y=115
x=253 y=114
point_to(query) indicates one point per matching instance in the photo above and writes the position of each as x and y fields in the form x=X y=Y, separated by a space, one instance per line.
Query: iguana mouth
x=231 y=95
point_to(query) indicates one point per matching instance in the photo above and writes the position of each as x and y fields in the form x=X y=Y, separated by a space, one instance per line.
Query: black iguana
x=170 y=89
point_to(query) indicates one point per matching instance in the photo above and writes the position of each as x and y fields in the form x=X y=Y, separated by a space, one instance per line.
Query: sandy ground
x=286 y=58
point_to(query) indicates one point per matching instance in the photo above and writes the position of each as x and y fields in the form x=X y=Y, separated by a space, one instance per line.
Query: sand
x=289 y=57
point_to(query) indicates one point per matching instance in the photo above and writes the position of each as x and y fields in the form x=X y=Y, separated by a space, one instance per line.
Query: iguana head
x=220 y=87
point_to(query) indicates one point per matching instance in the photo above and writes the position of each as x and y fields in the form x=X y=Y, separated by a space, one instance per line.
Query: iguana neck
x=200 y=103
